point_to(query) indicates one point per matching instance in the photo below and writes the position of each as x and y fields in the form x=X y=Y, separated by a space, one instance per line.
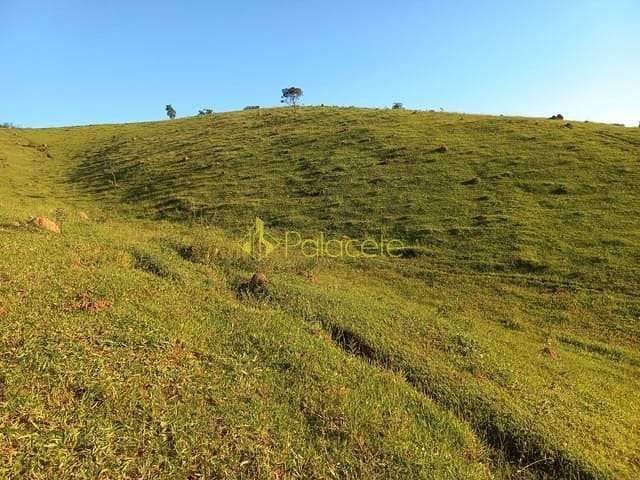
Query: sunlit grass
x=505 y=345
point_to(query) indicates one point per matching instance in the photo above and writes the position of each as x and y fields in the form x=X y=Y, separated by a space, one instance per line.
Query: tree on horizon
x=291 y=96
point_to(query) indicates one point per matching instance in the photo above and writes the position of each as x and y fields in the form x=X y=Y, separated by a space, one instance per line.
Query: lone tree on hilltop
x=397 y=106
x=291 y=96
x=171 y=112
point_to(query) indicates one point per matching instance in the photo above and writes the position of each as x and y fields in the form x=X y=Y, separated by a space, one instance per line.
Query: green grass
x=504 y=344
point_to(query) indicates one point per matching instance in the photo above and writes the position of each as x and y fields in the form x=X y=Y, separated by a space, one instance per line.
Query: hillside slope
x=517 y=193
x=503 y=343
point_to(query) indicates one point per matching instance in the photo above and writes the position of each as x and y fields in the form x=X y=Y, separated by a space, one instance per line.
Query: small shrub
x=463 y=345
x=471 y=181
x=202 y=252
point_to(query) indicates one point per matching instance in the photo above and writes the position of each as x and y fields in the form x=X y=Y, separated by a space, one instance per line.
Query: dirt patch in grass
x=86 y=302
x=45 y=224
x=257 y=286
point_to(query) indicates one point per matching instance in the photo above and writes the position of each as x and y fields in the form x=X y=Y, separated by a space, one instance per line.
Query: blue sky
x=65 y=62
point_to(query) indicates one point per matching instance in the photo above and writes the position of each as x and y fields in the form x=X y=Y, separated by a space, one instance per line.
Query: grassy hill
x=503 y=343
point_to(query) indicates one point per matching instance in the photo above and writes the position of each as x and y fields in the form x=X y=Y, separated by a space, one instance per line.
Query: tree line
x=290 y=96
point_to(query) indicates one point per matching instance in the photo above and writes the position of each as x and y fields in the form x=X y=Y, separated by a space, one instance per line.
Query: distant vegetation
x=291 y=96
x=171 y=113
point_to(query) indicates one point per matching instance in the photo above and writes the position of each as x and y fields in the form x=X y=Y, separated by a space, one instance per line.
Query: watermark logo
x=258 y=244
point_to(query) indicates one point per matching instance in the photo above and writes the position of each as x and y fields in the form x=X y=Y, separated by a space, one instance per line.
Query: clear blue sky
x=66 y=62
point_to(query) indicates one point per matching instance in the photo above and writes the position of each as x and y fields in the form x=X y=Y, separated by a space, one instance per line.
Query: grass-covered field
x=503 y=344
